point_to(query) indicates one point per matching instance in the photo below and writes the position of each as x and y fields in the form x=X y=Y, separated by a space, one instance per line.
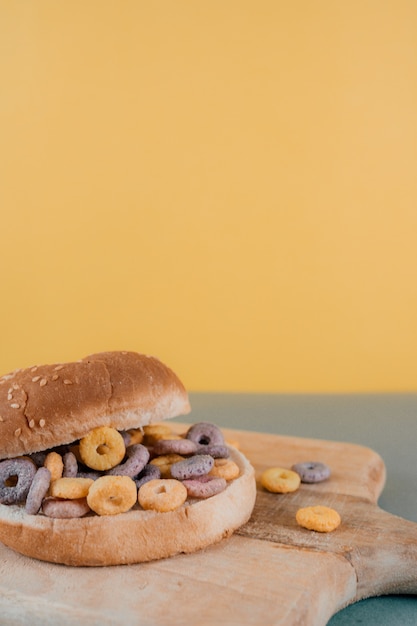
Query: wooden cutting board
x=270 y=572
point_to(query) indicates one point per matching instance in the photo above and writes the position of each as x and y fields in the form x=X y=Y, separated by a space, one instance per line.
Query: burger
x=89 y=476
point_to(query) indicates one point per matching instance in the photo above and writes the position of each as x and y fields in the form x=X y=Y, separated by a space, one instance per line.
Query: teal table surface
x=387 y=423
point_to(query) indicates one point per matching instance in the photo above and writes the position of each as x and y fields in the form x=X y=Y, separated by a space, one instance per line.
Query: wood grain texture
x=270 y=572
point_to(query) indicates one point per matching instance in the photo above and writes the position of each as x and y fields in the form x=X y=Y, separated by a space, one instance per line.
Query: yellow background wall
x=230 y=185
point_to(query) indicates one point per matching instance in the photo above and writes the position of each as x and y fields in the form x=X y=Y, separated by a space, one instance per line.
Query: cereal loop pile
x=109 y=472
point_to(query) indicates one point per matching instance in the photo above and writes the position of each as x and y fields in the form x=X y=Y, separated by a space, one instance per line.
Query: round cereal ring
x=216 y=451
x=65 y=509
x=38 y=490
x=205 y=433
x=102 y=449
x=175 y=446
x=16 y=477
x=70 y=488
x=110 y=495
x=225 y=468
x=153 y=432
x=149 y=472
x=126 y=437
x=323 y=519
x=204 y=486
x=135 y=436
x=164 y=463
x=137 y=458
x=197 y=465
x=70 y=465
x=312 y=471
x=280 y=480
x=55 y=464
x=162 y=495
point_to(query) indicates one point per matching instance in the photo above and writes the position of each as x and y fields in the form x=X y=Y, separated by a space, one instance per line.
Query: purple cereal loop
x=197 y=465
x=149 y=472
x=38 y=490
x=205 y=433
x=19 y=471
x=65 y=509
x=70 y=465
x=205 y=486
x=216 y=451
x=126 y=437
x=312 y=471
x=184 y=447
x=137 y=458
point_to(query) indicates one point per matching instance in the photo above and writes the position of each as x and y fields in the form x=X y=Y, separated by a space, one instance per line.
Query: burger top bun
x=50 y=405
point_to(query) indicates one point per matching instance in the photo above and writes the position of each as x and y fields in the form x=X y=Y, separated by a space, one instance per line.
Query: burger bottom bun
x=136 y=536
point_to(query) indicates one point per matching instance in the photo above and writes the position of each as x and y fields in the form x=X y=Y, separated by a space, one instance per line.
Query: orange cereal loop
x=111 y=495
x=323 y=519
x=70 y=488
x=162 y=495
x=153 y=432
x=164 y=463
x=136 y=436
x=55 y=464
x=102 y=449
x=225 y=468
x=280 y=480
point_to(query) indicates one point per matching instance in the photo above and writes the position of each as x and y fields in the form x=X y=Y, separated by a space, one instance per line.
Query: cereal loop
x=137 y=458
x=280 y=480
x=102 y=449
x=55 y=464
x=164 y=463
x=16 y=477
x=322 y=519
x=175 y=446
x=197 y=465
x=149 y=472
x=110 y=495
x=136 y=436
x=205 y=433
x=70 y=488
x=65 y=509
x=162 y=495
x=38 y=490
x=225 y=468
x=153 y=432
x=312 y=471
x=205 y=486
x=70 y=465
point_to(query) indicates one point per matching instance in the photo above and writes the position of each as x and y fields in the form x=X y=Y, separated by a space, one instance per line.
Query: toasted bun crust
x=136 y=536
x=49 y=405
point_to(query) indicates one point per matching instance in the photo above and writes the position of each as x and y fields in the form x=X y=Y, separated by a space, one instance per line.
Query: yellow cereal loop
x=153 y=432
x=136 y=436
x=111 y=495
x=225 y=468
x=164 y=463
x=102 y=449
x=55 y=464
x=70 y=488
x=323 y=519
x=162 y=495
x=280 y=480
